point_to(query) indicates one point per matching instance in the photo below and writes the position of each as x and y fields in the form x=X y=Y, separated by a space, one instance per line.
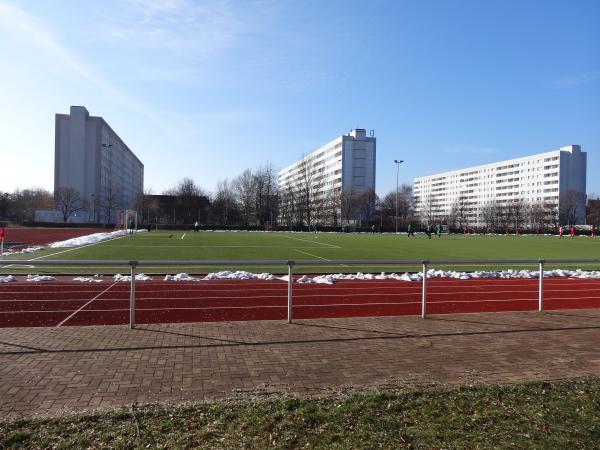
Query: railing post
x=424 y=294
x=132 y=296
x=541 y=293
x=290 y=281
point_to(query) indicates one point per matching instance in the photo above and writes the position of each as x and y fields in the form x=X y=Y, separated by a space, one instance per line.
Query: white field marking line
x=310 y=254
x=75 y=248
x=210 y=246
x=313 y=242
x=183 y=235
x=86 y=304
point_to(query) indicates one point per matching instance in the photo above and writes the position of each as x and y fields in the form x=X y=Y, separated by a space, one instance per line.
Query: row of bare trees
x=20 y=206
x=514 y=214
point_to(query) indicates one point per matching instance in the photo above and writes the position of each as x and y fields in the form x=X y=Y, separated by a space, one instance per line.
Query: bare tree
x=537 y=214
x=110 y=202
x=309 y=201
x=366 y=201
x=287 y=205
x=424 y=206
x=593 y=211
x=265 y=192
x=146 y=207
x=489 y=213
x=245 y=189
x=458 y=212
x=552 y=215
x=332 y=211
x=225 y=207
x=348 y=204
x=68 y=201
x=572 y=207
x=405 y=203
x=387 y=209
x=5 y=204
x=504 y=216
x=517 y=209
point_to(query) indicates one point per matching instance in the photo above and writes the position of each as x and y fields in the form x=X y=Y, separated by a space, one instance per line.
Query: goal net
x=127 y=221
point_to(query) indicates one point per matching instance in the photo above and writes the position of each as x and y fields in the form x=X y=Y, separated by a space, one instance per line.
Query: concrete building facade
x=92 y=159
x=556 y=179
x=344 y=165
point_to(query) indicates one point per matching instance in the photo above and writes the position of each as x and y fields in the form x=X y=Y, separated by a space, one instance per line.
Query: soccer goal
x=127 y=221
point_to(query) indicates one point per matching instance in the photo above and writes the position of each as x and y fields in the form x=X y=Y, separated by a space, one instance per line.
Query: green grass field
x=232 y=246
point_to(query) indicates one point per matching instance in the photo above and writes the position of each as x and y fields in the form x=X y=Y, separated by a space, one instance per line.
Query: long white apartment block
x=92 y=159
x=347 y=163
x=550 y=178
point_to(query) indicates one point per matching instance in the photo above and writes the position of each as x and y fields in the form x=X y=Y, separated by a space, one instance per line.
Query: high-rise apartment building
x=556 y=179
x=92 y=159
x=341 y=169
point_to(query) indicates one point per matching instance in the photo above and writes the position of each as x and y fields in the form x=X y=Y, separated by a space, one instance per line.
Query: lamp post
x=398 y=162
x=93 y=208
x=108 y=153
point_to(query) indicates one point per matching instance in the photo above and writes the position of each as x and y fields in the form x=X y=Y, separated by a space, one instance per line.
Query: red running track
x=67 y=303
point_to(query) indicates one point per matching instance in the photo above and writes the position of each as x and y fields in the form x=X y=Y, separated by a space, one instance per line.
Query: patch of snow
x=24 y=250
x=94 y=279
x=227 y=275
x=138 y=277
x=242 y=275
x=40 y=278
x=87 y=240
x=7 y=279
x=180 y=277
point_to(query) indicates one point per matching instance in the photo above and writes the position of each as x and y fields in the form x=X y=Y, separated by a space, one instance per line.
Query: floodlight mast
x=398 y=162
x=108 y=147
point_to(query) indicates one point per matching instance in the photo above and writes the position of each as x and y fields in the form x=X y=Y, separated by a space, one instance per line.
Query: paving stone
x=49 y=371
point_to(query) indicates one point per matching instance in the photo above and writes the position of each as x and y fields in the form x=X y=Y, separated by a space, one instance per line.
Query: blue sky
x=206 y=89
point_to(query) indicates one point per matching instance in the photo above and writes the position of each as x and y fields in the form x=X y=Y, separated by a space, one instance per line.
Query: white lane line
x=314 y=242
x=183 y=235
x=317 y=305
x=86 y=304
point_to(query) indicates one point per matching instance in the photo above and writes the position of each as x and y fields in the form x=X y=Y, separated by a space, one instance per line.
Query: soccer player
x=410 y=231
x=560 y=231
x=572 y=231
x=428 y=231
x=438 y=230
x=593 y=230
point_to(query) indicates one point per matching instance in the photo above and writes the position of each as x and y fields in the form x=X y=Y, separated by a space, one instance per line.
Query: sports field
x=244 y=246
x=240 y=246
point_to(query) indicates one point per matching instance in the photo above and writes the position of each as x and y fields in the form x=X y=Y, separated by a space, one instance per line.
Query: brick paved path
x=60 y=370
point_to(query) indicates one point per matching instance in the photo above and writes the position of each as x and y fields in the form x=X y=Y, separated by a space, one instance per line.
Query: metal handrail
x=301 y=262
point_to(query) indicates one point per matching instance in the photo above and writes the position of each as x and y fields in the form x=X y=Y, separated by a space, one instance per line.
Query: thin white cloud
x=26 y=28
x=185 y=27
x=582 y=78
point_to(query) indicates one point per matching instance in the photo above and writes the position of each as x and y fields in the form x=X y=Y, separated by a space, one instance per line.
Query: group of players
x=428 y=231
x=438 y=230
